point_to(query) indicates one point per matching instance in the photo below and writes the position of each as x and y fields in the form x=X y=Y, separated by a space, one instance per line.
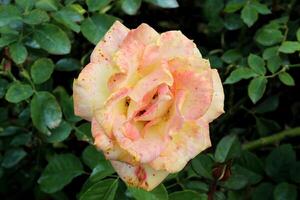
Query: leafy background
x=46 y=151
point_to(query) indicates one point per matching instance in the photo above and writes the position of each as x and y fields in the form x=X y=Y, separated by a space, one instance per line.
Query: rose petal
x=150 y=82
x=128 y=57
x=198 y=91
x=154 y=139
x=90 y=89
x=188 y=142
x=114 y=110
x=216 y=107
x=110 y=43
x=159 y=107
x=108 y=146
x=142 y=176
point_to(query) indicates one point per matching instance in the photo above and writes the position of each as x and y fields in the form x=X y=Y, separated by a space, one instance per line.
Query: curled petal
x=108 y=146
x=90 y=90
x=113 y=111
x=159 y=107
x=128 y=57
x=198 y=91
x=216 y=107
x=154 y=139
x=142 y=176
x=188 y=142
x=110 y=43
x=150 y=82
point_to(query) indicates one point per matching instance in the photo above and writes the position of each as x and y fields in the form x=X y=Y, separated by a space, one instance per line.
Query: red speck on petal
x=141 y=174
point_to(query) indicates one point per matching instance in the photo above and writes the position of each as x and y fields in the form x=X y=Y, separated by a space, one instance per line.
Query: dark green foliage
x=46 y=151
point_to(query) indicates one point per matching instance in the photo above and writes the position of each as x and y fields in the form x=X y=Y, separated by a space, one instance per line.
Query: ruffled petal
x=90 y=90
x=185 y=144
x=128 y=57
x=150 y=82
x=154 y=138
x=110 y=43
x=108 y=146
x=216 y=107
x=113 y=111
x=142 y=176
x=198 y=91
x=159 y=106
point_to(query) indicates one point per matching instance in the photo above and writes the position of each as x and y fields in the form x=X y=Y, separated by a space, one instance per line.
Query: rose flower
x=150 y=98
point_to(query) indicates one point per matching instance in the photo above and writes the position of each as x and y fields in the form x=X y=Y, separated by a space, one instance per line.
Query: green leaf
x=268 y=36
x=83 y=133
x=48 y=5
x=7 y=39
x=295 y=172
x=21 y=139
x=9 y=14
x=52 y=39
x=239 y=74
x=60 y=171
x=256 y=88
x=202 y=165
x=98 y=173
x=246 y=175
x=164 y=3
x=279 y=162
x=274 y=63
x=12 y=157
x=66 y=103
x=131 y=7
x=3 y=87
x=260 y=8
x=69 y=17
x=196 y=186
x=228 y=148
x=95 y=5
x=41 y=70
x=270 y=52
x=263 y=191
x=25 y=5
x=188 y=195
x=266 y=126
x=60 y=133
x=231 y=56
x=298 y=34
x=233 y=6
x=105 y=189
x=285 y=191
x=236 y=182
x=35 y=17
x=159 y=193
x=92 y=158
x=268 y=105
x=67 y=64
x=18 y=92
x=249 y=15
x=286 y=78
x=289 y=47
x=94 y=28
x=45 y=112
x=257 y=64
x=232 y=22
x=18 y=52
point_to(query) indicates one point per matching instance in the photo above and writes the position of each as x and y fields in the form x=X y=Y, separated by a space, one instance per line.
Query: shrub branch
x=277 y=137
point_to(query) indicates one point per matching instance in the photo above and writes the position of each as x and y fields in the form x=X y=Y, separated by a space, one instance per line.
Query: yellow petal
x=216 y=107
x=188 y=142
x=110 y=43
x=150 y=82
x=142 y=176
x=90 y=89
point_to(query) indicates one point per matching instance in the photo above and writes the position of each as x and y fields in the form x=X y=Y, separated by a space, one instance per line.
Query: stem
x=277 y=137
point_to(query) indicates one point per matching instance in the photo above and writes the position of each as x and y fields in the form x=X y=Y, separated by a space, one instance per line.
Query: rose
x=150 y=98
